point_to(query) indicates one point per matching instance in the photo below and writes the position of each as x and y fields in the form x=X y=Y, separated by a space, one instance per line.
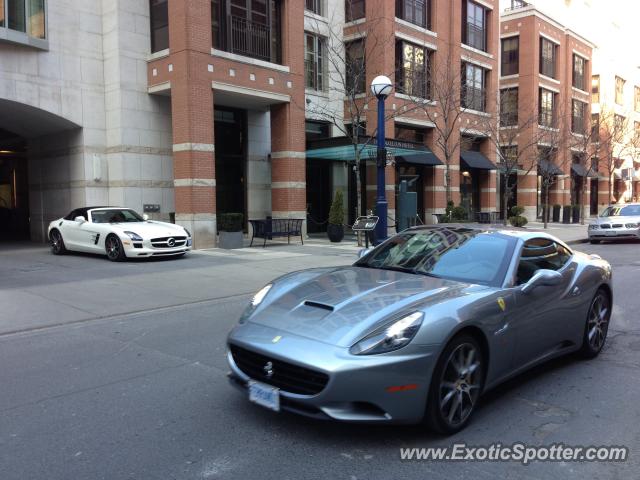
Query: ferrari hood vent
x=323 y=306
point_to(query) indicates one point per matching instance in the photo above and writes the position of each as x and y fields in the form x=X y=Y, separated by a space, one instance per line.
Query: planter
x=576 y=214
x=230 y=240
x=566 y=214
x=335 y=232
x=556 y=213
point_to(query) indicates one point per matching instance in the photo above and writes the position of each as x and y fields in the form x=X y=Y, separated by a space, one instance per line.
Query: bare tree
x=613 y=142
x=552 y=141
x=346 y=63
x=515 y=136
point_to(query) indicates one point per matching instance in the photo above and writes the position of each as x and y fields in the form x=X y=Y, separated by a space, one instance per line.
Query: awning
x=473 y=159
x=340 y=149
x=548 y=167
x=581 y=171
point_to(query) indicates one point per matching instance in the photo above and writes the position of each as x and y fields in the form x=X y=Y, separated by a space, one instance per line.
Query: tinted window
x=541 y=253
x=457 y=254
x=628 y=211
x=115 y=216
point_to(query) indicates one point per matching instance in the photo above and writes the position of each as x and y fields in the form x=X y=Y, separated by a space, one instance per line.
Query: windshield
x=116 y=215
x=456 y=254
x=616 y=211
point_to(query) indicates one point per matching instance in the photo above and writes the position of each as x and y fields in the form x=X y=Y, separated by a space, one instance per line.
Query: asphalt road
x=112 y=395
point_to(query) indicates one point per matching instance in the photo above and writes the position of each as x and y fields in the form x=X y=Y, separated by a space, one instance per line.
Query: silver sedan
x=419 y=327
x=616 y=222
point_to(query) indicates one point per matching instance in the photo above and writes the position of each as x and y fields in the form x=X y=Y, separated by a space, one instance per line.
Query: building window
x=595 y=89
x=315 y=6
x=509 y=107
x=620 y=90
x=315 y=130
x=314 y=61
x=27 y=16
x=579 y=68
x=417 y=12
x=412 y=76
x=474 y=79
x=248 y=28
x=159 y=12
x=355 y=67
x=354 y=10
x=510 y=56
x=546 y=108
x=547 y=58
x=618 y=126
x=577 y=116
x=636 y=99
x=595 y=127
x=474 y=25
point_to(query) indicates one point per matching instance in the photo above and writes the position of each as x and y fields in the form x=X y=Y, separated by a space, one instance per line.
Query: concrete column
x=192 y=118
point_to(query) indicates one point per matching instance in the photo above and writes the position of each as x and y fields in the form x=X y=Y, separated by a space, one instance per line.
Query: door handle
x=575 y=292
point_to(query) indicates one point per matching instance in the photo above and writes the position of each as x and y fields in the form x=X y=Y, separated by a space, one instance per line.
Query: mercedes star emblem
x=171 y=242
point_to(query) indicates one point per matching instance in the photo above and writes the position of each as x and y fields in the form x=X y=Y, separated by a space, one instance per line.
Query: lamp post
x=381 y=88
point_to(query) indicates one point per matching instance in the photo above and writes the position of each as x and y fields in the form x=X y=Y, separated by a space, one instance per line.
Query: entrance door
x=415 y=183
x=470 y=191
x=230 y=137
x=318 y=194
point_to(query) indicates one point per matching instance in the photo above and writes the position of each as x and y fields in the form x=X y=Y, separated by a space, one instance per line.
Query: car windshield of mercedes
x=461 y=254
x=116 y=215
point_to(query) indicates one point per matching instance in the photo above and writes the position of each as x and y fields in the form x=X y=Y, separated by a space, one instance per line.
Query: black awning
x=427 y=158
x=581 y=171
x=473 y=159
x=547 y=167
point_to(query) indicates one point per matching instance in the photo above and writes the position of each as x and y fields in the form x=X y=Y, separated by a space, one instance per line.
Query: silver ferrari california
x=419 y=327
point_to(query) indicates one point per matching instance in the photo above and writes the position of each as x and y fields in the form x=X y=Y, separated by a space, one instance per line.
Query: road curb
x=577 y=242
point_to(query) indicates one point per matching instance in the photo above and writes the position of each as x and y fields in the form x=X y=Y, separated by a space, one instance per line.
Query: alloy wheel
x=597 y=322
x=113 y=248
x=460 y=385
x=57 y=245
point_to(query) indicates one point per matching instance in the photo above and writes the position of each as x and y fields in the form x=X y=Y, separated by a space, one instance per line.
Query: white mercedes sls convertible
x=118 y=233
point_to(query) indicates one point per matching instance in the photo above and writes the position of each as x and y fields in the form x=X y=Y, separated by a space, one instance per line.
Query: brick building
x=545 y=73
x=192 y=109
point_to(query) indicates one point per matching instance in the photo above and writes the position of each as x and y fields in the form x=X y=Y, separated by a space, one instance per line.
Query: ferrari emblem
x=276 y=339
x=501 y=303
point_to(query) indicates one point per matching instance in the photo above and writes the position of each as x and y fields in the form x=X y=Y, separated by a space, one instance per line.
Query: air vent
x=323 y=306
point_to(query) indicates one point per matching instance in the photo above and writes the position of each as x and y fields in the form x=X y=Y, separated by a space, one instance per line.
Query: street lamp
x=381 y=87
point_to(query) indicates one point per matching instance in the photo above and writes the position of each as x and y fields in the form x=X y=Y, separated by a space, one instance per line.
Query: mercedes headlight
x=255 y=302
x=390 y=337
x=134 y=236
x=188 y=232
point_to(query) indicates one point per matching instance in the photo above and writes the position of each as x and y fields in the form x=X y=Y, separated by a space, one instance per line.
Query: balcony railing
x=250 y=38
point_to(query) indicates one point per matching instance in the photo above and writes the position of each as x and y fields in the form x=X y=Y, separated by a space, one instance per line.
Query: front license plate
x=264 y=395
x=611 y=234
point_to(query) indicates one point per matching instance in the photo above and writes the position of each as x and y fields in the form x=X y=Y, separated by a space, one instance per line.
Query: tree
x=515 y=136
x=613 y=131
x=346 y=78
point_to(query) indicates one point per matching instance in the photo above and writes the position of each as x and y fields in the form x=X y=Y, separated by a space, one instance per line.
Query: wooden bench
x=271 y=228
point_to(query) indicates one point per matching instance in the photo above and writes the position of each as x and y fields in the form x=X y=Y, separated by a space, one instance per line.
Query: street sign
x=365 y=224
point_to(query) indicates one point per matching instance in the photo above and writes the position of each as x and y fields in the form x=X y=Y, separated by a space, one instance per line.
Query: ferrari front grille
x=284 y=375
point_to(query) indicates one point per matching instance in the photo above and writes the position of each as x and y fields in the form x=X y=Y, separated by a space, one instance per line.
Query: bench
x=271 y=228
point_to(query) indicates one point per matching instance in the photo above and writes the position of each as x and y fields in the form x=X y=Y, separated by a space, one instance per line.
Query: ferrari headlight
x=255 y=301
x=391 y=337
x=134 y=236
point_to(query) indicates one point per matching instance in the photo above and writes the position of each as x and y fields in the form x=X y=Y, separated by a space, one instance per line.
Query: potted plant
x=230 y=226
x=576 y=213
x=556 y=212
x=517 y=219
x=335 y=228
x=566 y=214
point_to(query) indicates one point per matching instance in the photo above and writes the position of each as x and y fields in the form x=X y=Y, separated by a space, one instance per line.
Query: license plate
x=264 y=395
x=611 y=234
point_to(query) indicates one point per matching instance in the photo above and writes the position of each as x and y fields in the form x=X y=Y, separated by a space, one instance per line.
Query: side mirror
x=364 y=252
x=544 y=277
x=79 y=219
x=145 y=217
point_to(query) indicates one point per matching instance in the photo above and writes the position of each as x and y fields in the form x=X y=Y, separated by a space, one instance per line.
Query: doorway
x=14 y=188
x=230 y=127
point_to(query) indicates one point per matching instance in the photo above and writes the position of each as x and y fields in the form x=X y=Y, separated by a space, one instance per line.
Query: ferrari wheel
x=597 y=325
x=115 y=250
x=456 y=385
x=57 y=243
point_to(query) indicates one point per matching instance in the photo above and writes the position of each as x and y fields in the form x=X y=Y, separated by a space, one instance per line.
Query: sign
x=365 y=224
